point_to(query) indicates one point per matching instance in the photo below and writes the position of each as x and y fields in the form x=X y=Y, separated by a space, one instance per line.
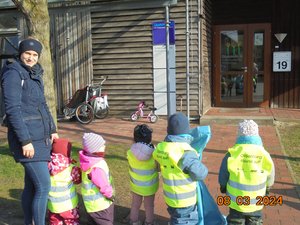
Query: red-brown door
x=241 y=65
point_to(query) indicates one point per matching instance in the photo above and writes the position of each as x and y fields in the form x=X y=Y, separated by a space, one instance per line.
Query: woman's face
x=29 y=58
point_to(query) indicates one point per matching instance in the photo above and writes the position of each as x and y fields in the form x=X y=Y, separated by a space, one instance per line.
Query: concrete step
x=234 y=120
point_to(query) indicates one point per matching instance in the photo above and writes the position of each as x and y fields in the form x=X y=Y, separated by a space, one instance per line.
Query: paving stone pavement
x=118 y=130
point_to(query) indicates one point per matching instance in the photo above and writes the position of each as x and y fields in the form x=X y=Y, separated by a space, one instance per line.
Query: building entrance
x=241 y=65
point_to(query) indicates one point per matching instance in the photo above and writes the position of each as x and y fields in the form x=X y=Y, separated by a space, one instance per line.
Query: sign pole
x=167 y=61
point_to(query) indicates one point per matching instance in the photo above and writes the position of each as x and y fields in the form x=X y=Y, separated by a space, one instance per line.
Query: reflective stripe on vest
x=143 y=175
x=93 y=200
x=62 y=195
x=144 y=183
x=249 y=166
x=63 y=198
x=179 y=189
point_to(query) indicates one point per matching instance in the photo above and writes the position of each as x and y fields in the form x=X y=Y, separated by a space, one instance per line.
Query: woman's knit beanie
x=93 y=143
x=178 y=123
x=62 y=146
x=142 y=133
x=30 y=44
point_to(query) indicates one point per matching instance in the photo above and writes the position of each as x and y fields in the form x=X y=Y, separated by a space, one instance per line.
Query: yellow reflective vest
x=248 y=166
x=143 y=175
x=93 y=200
x=179 y=189
x=62 y=195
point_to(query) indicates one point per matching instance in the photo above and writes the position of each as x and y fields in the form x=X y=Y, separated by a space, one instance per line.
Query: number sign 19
x=282 y=61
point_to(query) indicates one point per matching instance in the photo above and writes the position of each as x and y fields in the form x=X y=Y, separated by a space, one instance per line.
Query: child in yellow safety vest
x=180 y=168
x=97 y=185
x=246 y=174
x=143 y=172
x=63 y=199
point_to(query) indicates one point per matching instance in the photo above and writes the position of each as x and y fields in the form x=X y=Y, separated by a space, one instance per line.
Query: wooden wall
x=241 y=11
x=72 y=52
x=285 y=90
x=122 y=49
x=205 y=96
x=91 y=42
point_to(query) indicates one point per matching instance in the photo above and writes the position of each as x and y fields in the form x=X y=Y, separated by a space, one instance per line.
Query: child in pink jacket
x=97 y=187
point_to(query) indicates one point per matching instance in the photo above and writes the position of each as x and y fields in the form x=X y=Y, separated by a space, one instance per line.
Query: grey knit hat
x=92 y=142
x=248 y=128
x=178 y=123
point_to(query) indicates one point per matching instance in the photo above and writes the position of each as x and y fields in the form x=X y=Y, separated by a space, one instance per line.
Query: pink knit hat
x=93 y=143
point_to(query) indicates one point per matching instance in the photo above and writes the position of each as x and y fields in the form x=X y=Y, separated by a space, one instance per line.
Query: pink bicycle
x=139 y=113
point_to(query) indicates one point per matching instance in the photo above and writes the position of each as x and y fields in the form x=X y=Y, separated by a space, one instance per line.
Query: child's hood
x=86 y=161
x=142 y=151
x=58 y=163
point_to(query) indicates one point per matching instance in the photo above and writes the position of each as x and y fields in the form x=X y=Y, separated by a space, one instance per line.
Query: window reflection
x=258 y=67
x=232 y=80
x=232 y=88
x=8 y=38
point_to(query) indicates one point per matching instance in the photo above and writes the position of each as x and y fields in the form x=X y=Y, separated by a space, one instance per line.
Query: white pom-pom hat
x=248 y=128
x=93 y=143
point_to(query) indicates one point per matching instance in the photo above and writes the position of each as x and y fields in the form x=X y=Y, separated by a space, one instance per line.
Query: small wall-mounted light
x=280 y=36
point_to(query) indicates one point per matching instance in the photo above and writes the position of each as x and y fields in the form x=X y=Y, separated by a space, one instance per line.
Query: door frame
x=249 y=30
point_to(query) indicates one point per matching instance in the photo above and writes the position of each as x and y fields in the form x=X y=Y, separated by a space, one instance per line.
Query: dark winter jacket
x=28 y=117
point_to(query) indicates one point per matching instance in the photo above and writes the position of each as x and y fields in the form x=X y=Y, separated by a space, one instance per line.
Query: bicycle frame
x=102 y=98
x=139 y=113
x=92 y=103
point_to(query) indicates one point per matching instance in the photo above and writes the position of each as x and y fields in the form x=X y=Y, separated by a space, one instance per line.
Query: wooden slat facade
x=241 y=11
x=205 y=54
x=71 y=51
x=122 y=50
x=88 y=45
x=286 y=86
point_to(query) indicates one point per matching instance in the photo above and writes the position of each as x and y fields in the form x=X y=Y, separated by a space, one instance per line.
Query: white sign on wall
x=282 y=61
x=160 y=79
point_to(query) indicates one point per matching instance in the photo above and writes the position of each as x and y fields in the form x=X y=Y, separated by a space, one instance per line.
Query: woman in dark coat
x=31 y=128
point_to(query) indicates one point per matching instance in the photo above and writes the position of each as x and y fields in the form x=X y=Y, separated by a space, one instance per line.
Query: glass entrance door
x=233 y=66
x=240 y=74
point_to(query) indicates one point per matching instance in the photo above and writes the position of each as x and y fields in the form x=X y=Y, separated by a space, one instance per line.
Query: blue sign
x=159 y=33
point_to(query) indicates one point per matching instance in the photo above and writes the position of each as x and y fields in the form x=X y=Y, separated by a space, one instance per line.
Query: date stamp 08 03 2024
x=245 y=200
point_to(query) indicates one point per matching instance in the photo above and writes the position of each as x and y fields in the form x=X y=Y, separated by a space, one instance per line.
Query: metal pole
x=167 y=61
x=187 y=42
x=200 y=66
